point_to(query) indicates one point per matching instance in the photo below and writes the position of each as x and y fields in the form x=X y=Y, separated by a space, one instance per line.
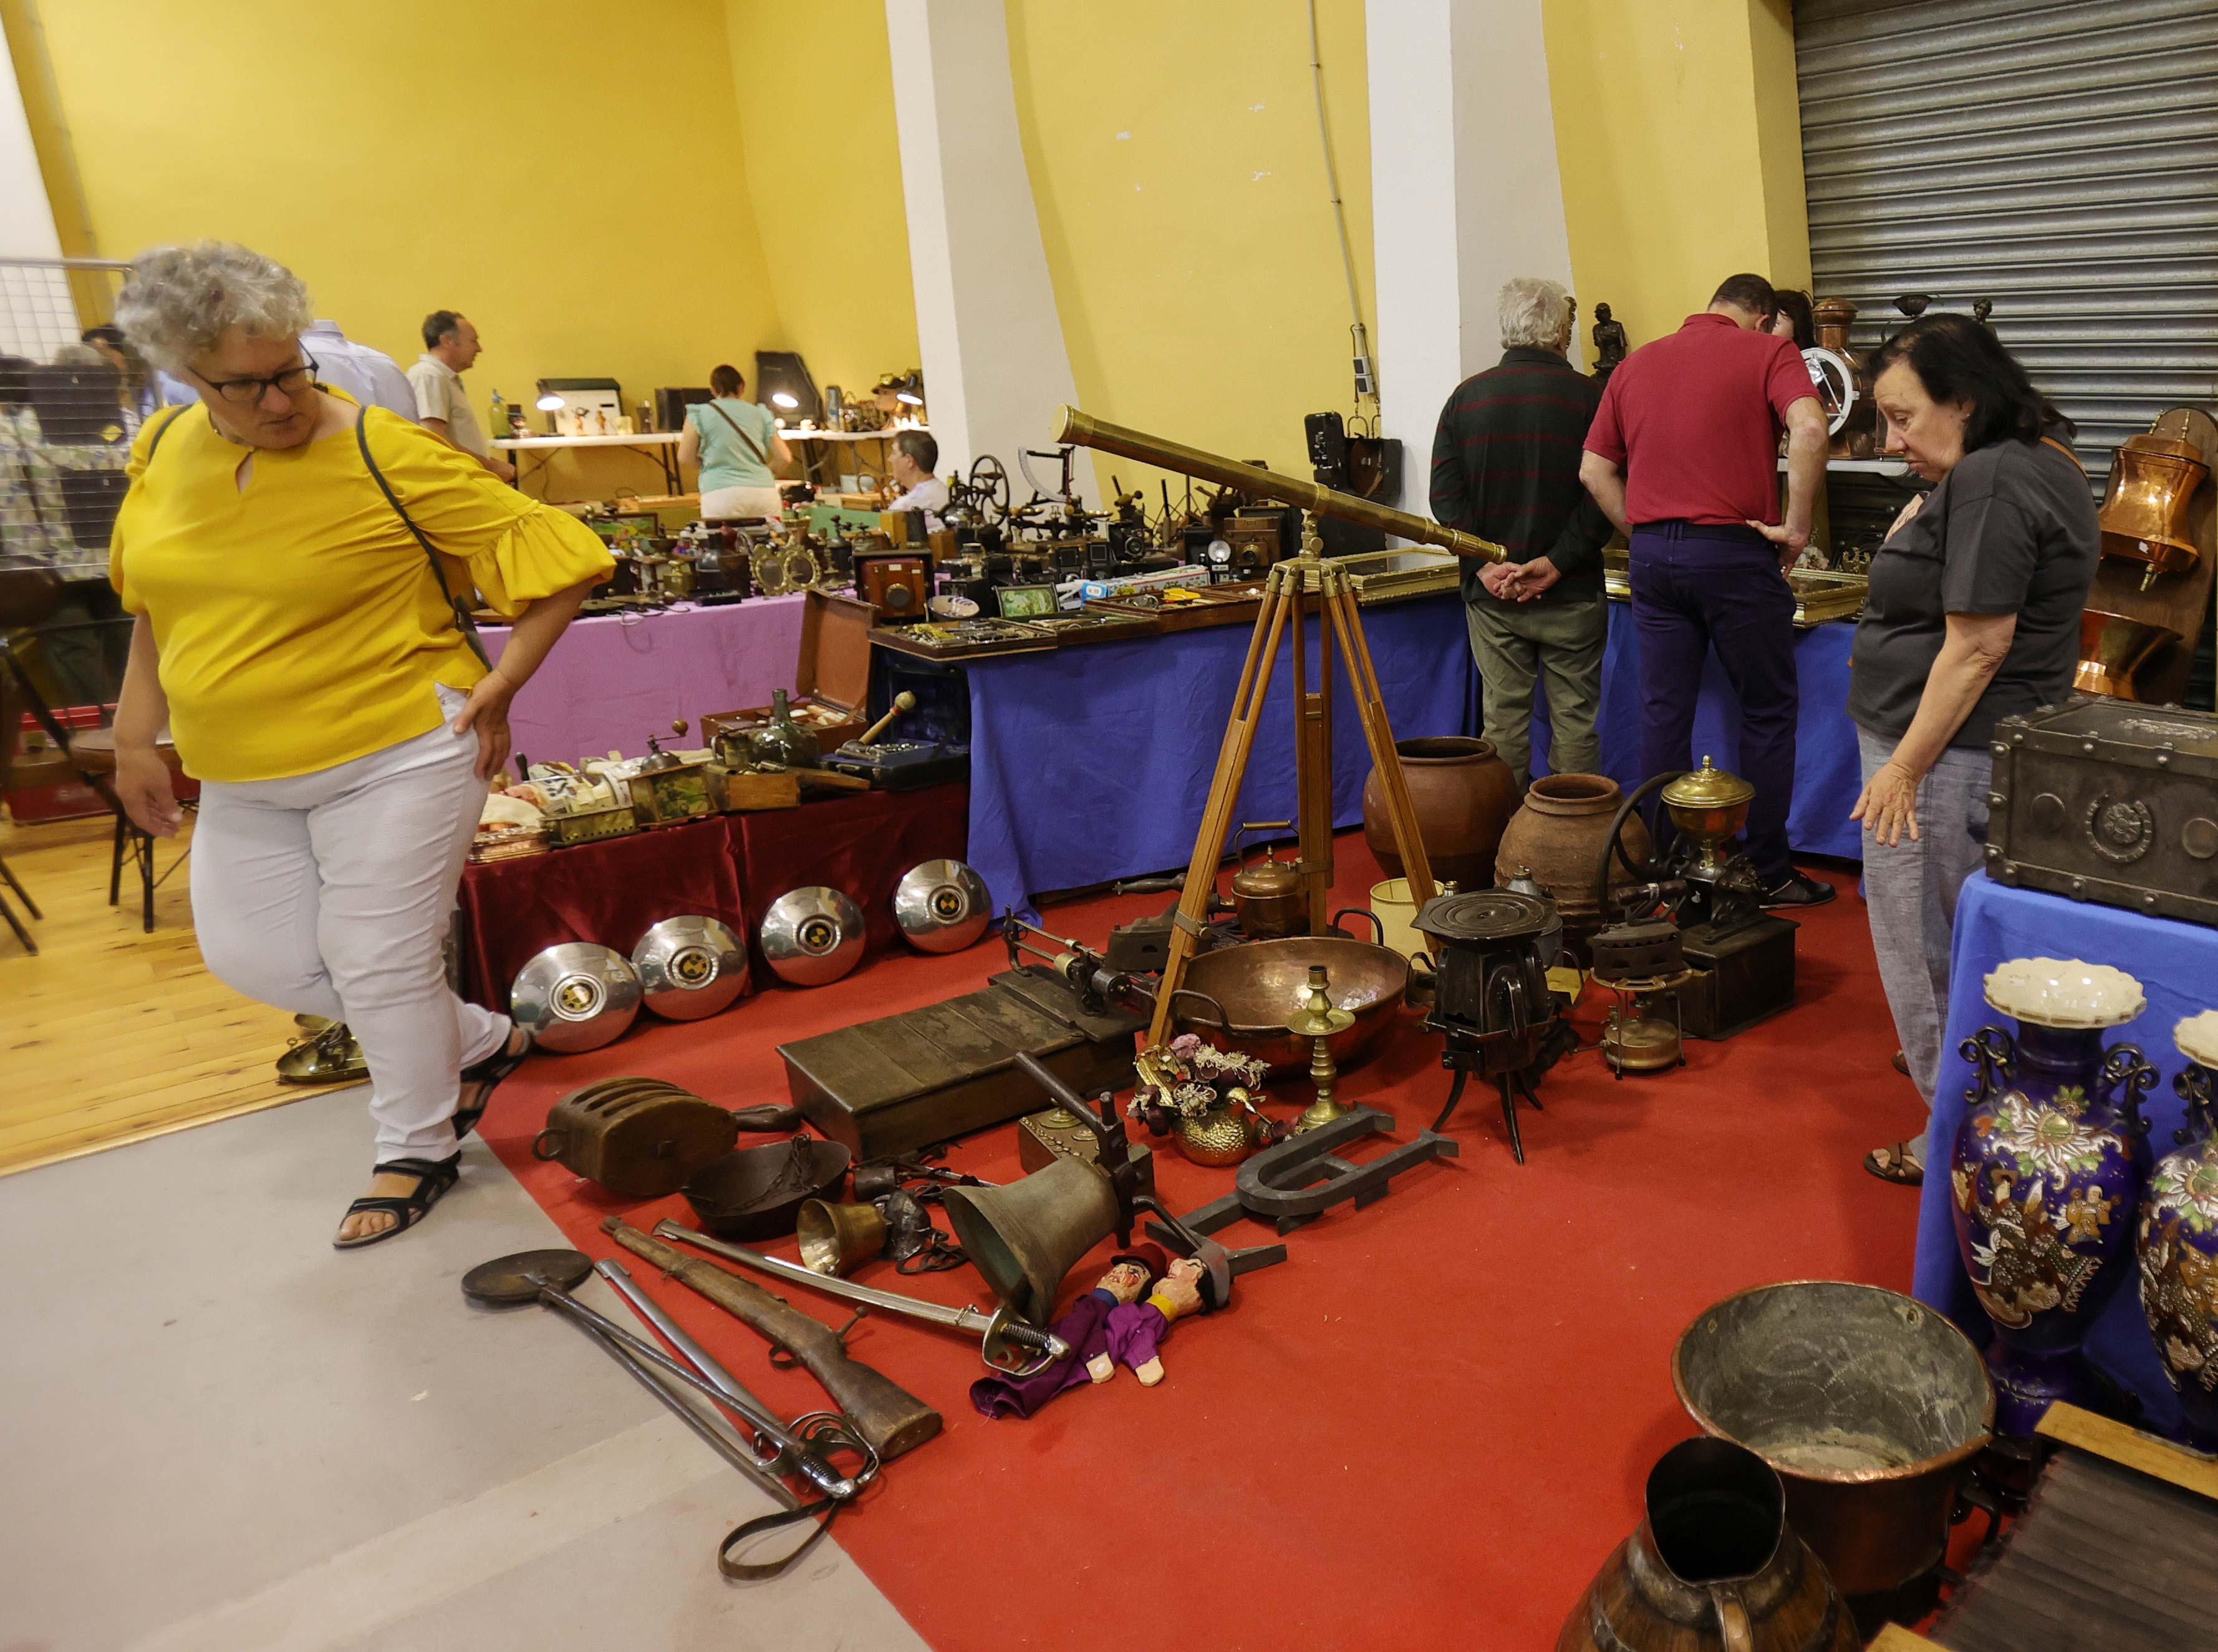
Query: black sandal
x=1896 y=1163
x=488 y=1072
x=433 y=1177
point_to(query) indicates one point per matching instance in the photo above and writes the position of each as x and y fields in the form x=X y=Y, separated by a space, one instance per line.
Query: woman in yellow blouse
x=293 y=637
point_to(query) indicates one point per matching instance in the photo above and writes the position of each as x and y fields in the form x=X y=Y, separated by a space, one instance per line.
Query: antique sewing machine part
x=1318 y=1021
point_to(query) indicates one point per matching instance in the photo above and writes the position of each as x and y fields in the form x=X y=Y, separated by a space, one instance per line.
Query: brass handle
x=1733 y=1621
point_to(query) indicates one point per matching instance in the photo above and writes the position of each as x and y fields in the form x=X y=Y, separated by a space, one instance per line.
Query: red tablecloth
x=729 y=867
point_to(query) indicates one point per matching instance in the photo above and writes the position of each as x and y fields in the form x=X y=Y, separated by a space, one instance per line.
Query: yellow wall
x=823 y=173
x=516 y=163
x=1677 y=133
x=1180 y=188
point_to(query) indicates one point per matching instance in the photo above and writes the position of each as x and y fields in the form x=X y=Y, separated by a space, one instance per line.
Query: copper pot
x=1711 y=1566
x=1463 y=795
x=1257 y=986
x=1558 y=834
x=2112 y=648
x=2153 y=482
x=1267 y=893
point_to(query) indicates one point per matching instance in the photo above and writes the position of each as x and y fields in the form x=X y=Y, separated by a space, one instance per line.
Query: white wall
x=37 y=315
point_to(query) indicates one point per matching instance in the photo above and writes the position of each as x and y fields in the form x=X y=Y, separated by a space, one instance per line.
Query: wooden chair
x=93 y=753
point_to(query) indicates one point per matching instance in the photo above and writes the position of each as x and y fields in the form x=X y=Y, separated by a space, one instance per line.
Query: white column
x=1465 y=194
x=37 y=312
x=994 y=366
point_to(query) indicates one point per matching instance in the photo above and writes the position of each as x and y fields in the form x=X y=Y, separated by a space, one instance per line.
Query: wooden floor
x=111 y=1034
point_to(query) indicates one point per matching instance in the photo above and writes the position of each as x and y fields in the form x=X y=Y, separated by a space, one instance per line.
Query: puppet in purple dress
x=1134 y=1329
x=1085 y=1327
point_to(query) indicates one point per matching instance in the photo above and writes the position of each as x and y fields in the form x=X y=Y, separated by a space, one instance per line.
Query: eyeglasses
x=246 y=393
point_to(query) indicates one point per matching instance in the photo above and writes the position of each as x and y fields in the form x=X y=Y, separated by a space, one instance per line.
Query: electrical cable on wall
x=1366 y=373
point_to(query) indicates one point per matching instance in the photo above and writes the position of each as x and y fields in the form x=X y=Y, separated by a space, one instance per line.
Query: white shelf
x=648 y=438
x=1861 y=467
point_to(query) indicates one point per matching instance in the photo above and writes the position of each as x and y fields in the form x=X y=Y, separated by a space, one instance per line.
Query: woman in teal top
x=735 y=443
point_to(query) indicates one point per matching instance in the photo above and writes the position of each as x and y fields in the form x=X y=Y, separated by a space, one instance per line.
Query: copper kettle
x=1267 y=893
x=2153 y=482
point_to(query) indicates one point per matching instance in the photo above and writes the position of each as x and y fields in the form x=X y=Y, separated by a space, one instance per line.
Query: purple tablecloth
x=614 y=680
x=1092 y=762
x=2176 y=965
x=1827 y=777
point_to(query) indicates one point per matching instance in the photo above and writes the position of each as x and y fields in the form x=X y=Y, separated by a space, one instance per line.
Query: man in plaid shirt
x=1506 y=467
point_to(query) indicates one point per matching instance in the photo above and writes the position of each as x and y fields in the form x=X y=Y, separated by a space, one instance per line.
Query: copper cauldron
x=1870 y=1406
x=2152 y=485
x=1256 y=987
x=2112 y=648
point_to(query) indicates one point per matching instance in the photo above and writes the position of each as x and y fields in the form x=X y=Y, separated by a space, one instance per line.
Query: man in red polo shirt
x=1683 y=456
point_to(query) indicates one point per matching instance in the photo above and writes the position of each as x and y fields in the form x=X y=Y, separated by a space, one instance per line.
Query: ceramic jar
x=1463 y=795
x=2178 y=1239
x=1558 y=834
x=1713 y=1567
x=2047 y=1170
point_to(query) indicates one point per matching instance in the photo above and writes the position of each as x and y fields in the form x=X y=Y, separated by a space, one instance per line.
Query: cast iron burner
x=1492 y=1002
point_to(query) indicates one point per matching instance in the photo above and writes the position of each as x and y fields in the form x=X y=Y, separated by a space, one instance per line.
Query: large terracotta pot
x=1712 y=1568
x=1463 y=795
x=1558 y=836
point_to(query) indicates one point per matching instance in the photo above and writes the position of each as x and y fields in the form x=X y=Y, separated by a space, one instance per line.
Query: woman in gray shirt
x=1974 y=614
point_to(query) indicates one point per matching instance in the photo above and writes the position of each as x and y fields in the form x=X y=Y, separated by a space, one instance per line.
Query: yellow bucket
x=1391 y=904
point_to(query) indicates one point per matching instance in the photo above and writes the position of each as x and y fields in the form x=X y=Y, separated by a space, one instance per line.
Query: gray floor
x=218 y=1433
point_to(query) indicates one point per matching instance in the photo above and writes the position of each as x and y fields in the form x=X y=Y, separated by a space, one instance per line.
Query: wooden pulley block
x=641 y=1138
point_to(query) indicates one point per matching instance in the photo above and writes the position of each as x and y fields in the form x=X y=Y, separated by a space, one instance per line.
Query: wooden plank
x=2144 y=1453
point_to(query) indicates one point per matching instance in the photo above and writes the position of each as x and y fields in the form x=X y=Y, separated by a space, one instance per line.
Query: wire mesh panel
x=68 y=411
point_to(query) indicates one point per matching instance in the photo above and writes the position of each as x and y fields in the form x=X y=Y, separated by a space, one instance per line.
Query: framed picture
x=1025 y=601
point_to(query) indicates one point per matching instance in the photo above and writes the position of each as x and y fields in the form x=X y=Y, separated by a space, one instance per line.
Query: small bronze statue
x=1609 y=342
x=1981 y=310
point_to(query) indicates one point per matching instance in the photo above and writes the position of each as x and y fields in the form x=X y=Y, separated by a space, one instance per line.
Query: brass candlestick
x=1317 y=1019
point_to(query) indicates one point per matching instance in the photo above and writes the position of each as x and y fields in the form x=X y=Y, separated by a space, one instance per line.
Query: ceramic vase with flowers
x=2178 y=1239
x=2046 y=1171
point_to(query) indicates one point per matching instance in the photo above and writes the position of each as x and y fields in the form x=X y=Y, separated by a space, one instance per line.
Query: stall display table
x=615 y=678
x=661 y=447
x=1093 y=763
x=2176 y=965
x=730 y=867
x=1828 y=775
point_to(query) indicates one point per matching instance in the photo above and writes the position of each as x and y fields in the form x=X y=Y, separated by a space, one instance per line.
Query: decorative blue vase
x=2178 y=1239
x=2047 y=1171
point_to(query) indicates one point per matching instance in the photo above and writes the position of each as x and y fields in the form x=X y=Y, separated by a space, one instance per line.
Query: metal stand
x=1304 y=1175
x=1285 y=594
x=1511 y=1084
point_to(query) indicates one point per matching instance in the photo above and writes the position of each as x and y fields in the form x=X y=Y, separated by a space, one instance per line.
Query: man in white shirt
x=371 y=377
x=450 y=345
x=915 y=456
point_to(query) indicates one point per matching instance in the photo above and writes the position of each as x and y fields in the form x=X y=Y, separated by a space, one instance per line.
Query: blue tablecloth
x=2176 y=965
x=1093 y=763
x=1827 y=777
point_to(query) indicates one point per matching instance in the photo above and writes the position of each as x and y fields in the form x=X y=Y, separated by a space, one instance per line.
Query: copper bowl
x=2113 y=649
x=1260 y=985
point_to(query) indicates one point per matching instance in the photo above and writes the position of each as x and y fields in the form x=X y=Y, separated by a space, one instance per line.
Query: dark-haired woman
x=1792 y=318
x=735 y=443
x=1973 y=614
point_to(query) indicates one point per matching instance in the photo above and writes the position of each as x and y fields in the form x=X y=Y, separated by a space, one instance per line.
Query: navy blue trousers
x=1700 y=586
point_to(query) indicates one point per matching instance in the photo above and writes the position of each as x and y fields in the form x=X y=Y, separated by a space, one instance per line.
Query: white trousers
x=724 y=504
x=328 y=894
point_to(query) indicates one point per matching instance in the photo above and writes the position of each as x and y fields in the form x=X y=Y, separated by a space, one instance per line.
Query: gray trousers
x=1514 y=643
x=1909 y=894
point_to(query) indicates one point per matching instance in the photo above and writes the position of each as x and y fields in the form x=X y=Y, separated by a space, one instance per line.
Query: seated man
x=909 y=466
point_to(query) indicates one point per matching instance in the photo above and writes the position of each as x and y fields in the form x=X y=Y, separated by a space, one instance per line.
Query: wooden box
x=743 y=789
x=591 y=825
x=2108 y=801
x=887 y=1087
x=831 y=675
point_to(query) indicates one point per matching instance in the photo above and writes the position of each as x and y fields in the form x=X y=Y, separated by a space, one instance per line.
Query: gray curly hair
x=1532 y=311
x=178 y=301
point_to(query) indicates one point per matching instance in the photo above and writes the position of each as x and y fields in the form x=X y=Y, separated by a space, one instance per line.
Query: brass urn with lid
x=1709 y=807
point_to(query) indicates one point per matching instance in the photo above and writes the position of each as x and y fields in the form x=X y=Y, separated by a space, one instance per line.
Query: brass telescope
x=1086 y=430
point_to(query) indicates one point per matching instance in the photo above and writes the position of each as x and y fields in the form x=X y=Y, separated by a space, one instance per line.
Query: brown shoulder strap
x=2050 y=441
x=753 y=446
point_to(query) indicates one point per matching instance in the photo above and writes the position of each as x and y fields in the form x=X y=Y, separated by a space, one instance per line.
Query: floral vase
x=2047 y=1171
x=2179 y=1240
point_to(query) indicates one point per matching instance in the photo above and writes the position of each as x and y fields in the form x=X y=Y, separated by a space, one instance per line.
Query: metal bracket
x=1302 y=1177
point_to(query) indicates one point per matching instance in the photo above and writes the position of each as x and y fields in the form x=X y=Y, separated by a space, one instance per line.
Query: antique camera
x=898 y=584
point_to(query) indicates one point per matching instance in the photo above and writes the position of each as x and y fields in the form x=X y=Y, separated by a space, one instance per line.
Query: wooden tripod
x=1285 y=595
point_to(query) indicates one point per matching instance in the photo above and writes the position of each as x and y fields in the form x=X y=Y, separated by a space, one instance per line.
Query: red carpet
x=1431 y=1425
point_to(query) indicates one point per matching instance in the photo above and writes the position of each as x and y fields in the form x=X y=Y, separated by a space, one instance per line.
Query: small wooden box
x=748 y=788
x=591 y=825
x=831 y=675
x=664 y=797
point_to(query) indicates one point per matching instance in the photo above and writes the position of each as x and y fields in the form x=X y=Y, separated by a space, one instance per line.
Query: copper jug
x=1712 y=1565
x=2153 y=482
x=1267 y=895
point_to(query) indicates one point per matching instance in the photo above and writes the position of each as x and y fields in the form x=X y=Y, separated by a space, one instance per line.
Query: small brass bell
x=1318 y=1021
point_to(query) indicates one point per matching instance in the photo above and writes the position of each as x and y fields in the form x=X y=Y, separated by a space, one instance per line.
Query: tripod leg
x=16 y=924
x=22 y=894
x=1223 y=794
x=1370 y=711
x=1509 y=1117
x=1455 y=1095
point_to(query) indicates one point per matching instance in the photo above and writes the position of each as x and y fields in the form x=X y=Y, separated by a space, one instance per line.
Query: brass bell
x=1026 y=1236
x=836 y=1239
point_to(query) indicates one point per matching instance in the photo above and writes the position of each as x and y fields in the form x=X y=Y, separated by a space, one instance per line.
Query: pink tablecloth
x=614 y=680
